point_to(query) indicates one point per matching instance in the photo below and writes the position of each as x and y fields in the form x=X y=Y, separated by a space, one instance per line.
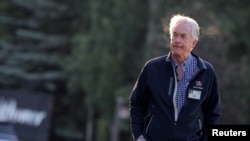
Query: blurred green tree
x=105 y=57
x=88 y=52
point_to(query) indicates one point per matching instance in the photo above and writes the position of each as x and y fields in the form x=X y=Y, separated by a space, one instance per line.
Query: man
x=176 y=96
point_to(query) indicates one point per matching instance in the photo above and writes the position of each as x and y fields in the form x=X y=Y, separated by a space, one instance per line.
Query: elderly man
x=176 y=96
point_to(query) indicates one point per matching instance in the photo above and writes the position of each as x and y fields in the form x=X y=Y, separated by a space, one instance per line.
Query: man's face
x=182 y=43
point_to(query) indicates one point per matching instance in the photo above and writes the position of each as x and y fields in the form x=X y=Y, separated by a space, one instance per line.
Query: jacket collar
x=200 y=62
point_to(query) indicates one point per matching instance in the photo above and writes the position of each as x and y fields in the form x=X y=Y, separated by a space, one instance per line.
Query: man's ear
x=194 y=43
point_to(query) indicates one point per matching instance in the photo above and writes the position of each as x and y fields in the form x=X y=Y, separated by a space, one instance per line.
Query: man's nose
x=177 y=40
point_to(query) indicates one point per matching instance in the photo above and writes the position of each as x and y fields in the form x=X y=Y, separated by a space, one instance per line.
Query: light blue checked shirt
x=188 y=67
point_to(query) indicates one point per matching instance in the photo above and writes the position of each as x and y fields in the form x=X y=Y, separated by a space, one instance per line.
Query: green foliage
x=104 y=56
x=88 y=52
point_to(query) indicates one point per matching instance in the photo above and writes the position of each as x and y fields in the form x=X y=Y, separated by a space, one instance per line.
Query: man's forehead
x=182 y=28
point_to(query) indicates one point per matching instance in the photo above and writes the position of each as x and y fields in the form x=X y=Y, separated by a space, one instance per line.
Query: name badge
x=194 y=94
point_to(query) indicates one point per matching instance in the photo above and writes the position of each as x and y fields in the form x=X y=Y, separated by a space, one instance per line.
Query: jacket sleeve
x=138 y=104
x=212 y=107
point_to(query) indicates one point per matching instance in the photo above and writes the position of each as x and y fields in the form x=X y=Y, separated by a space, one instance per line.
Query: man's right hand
x=141 y=138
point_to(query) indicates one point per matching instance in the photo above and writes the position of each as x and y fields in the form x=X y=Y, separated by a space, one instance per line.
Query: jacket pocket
x=147 y=122
x=200 y=127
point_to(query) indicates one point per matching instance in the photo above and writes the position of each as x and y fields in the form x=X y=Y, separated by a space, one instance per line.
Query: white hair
x=187 y=20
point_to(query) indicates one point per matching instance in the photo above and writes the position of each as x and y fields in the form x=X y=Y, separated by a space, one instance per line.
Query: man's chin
x=176 y=53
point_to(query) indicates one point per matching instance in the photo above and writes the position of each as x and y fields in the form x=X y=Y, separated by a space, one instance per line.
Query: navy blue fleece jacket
x=153 y=111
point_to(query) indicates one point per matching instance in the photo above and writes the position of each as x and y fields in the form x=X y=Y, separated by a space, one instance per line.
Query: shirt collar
x=185 y=63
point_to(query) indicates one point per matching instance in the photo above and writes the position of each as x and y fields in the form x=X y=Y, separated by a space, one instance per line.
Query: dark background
x=86 y=53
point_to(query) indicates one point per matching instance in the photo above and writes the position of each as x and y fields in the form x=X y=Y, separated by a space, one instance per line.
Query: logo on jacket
x=198 y=85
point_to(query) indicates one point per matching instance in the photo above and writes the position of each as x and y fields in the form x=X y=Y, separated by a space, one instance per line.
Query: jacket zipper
x=170 y=86
x=174 y=96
